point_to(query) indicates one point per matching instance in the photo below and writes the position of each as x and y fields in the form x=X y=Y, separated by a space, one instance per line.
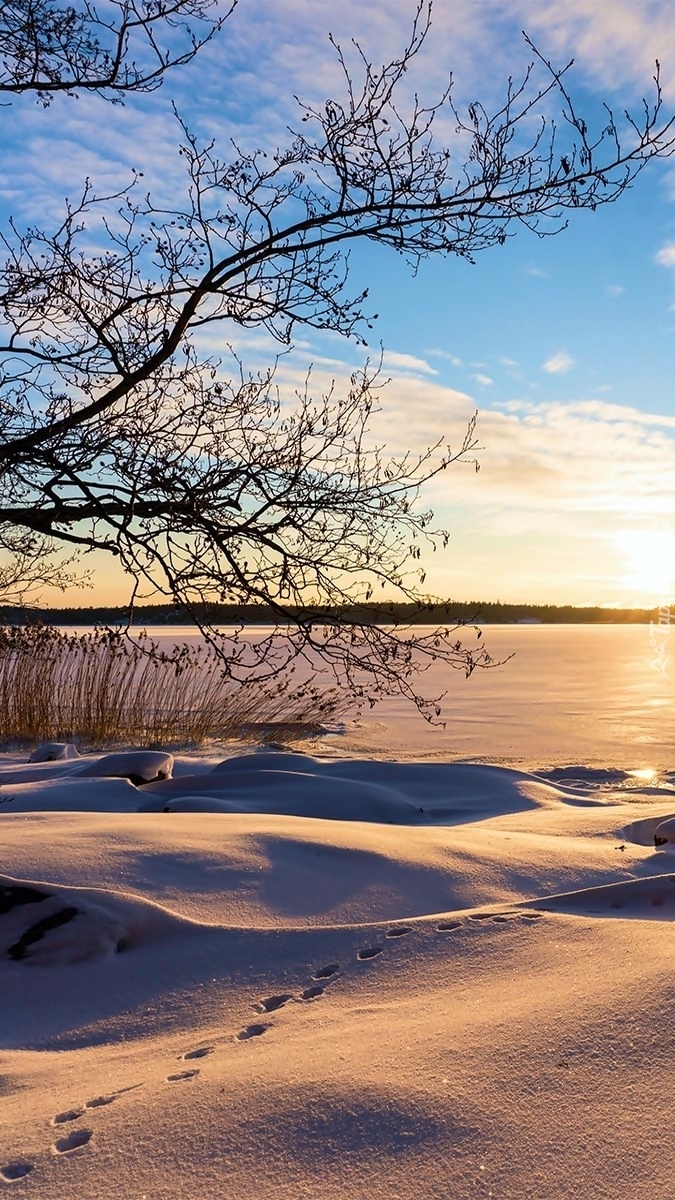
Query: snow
x=283 y=974
x=53 y=752
x=140 y=766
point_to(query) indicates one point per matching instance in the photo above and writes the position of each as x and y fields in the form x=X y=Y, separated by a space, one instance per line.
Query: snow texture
x=290 y=975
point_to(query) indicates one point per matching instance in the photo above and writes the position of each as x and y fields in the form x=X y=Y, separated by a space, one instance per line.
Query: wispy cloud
x=545 y=458
x=559 y=363
x=616 y=44
x=451 y=358
x=483 y=380
x=665 y=257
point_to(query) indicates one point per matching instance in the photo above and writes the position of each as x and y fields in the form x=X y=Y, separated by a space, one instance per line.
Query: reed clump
x=103 y=687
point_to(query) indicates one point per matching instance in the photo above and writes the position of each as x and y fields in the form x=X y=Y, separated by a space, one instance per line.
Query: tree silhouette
x=117 y=47
x=120 y=432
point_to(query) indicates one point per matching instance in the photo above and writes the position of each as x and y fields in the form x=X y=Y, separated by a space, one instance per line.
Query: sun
x=648 y=561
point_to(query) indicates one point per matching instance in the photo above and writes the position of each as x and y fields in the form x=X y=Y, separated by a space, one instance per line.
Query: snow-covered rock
x=138 y=766
x=53 y=752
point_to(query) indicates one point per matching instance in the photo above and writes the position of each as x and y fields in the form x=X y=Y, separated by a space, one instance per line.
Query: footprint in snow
x=368 y=953
x=500 y=918
x=327 y=972
x=272 y=1003
x=71 y=1114
x=13 y=1171
x=312 y=993
x=200 y=1052
x=399 y=931
x=101 y=1101
x=74 y=1114
x=72 y=1141
x=251 y=1031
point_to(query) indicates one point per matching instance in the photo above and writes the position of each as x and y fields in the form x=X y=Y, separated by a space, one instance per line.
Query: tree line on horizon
x=450 y=612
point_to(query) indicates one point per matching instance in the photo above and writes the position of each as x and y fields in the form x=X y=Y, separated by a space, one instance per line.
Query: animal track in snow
x=74 y=1114
x=71 y=1114
x=200 y=1052
x=101 y=1101
x=251 y=1031
x=327 y=972
x=368 y=953
x=398 y=931
x=72 y=1141
x=272 y=1003
x=180 y=1075
x=13 y=1171
x=313 y=992
x=500 y=918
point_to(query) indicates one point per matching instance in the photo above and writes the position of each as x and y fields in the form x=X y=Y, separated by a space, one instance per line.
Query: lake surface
x=570 y=694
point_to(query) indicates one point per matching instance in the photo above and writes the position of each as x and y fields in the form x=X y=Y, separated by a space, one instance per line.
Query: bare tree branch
x=112 y=48
x=119 y=433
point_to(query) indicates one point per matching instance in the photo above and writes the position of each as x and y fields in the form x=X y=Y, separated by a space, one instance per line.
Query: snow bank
x=267 y=981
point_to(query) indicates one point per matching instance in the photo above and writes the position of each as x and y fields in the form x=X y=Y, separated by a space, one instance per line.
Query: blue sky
x=564 y=345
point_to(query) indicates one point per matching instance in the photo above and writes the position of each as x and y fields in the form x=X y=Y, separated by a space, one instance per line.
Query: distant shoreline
x=449 y=613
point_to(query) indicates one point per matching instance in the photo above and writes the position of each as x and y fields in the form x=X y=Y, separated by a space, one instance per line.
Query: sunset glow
x=563 y=345
x=649 y=557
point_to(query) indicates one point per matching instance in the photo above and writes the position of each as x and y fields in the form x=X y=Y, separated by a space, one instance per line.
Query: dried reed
x=103 y=687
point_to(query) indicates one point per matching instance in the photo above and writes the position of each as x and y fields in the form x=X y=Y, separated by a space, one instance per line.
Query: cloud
x=483 y=380
x=536 y=272
x=559 y=363
x=406 y=362
x=539 y=460
x=451 y=358
x=559 y=484
x=615 y=290
x=613 y=44
x=665 y=257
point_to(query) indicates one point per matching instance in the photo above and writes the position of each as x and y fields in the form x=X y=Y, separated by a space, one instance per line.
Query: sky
x=565 y=345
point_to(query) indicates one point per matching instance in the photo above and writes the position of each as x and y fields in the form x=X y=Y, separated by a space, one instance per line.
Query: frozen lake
x=570 y=694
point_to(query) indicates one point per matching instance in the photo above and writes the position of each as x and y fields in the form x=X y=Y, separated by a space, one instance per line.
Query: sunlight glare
x=649 y=561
